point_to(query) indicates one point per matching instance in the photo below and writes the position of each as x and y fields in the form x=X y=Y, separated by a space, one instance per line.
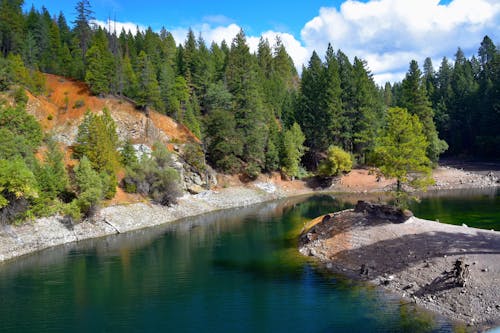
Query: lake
x=229 y=271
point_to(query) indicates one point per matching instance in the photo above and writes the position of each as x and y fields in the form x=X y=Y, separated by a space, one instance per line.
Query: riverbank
x=43 y=233
x=415 y=259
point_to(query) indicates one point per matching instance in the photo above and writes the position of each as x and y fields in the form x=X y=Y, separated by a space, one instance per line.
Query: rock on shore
x=43 y=233
x=415 y=258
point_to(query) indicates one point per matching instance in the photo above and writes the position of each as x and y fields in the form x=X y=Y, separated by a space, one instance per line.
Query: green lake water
x=230 y=271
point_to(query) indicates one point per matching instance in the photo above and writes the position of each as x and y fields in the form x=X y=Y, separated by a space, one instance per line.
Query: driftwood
x=457 y=277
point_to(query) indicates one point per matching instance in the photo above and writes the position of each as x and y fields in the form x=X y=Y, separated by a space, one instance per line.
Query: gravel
x=414 y=260
x=43 y=233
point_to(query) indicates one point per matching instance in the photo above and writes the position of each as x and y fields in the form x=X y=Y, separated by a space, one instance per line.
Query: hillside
x=61 y=110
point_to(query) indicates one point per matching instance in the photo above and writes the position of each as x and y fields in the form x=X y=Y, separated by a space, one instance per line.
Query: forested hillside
x=252 y=111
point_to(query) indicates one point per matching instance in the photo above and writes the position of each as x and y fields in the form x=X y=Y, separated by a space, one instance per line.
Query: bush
x=20 y=96
x=194 y=156
x=78 y=104
x=90 y=188
x=153 y=176
x=336 y=162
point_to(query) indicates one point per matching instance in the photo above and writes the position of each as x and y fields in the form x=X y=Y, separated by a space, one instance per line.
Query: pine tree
x=241 y=76
x=11 y=26
x=400 y=151
x=414 y=99
x=148 y=90
x=225 y=145
x=82 y=29
x=293 y=150
x=89 y=187
x=310 y=119
x=332 y=99
x=99 y=65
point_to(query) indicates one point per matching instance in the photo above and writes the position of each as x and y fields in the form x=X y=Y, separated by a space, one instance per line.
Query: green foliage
x=400 y=150
x=194 y=156
x=98 y=141
x=127 y=154
x=98 y=70
x=250 y=116
x=153 y=176
x=293 y=150
x=414 y=99
x=90 y=188
x=51 y=174
x=224 y=144
x=78 y=104
x=148 y=90
x=20 y=96
x=20 y=123
x=16 y=181
x=336 y=162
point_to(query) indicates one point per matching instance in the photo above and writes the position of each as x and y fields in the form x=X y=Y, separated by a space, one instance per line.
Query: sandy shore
x=415 y=260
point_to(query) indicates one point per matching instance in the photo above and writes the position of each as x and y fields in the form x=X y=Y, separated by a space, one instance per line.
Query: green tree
x=400 y=151
x=17 y=185
x=82 y=29
x=89 y=187
x=22 y=124
x=293 y=150
x=51 y=174
x=11 y=26
x=128 y=154
x=414 y=99
x=250 y=116
x=98 y=141
x=225 y=145
x=337 y=161
x=148 y=90
x=310 y=116
x=99 y=69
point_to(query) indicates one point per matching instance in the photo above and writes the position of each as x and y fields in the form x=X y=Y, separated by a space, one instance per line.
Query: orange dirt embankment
x=66 y=102
x=62 y=108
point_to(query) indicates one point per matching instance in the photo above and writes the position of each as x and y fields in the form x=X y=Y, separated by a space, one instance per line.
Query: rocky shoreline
x=16 y=241
x=43 y=233
x=452 y=270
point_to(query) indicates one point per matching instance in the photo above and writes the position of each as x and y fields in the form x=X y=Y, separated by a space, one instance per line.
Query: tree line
x=252 y=111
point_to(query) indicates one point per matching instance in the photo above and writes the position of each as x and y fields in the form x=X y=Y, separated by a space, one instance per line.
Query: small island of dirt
x=453 y=270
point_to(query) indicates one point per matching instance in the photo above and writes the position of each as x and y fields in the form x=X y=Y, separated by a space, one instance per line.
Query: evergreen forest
x=253 y=112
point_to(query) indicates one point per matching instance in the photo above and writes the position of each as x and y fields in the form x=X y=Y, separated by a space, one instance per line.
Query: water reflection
x=235 y=270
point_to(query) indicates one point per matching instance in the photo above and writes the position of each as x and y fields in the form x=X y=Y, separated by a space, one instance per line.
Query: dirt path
x=414 y=259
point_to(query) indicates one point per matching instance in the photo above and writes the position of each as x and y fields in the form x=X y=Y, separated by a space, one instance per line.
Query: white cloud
x=386 y=33
x=217 y=34
x=389 y=33
x=210 y=34
x=118 y=26
x=295 y=49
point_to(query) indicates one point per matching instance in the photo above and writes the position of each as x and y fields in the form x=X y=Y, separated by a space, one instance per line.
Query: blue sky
x=386 y=33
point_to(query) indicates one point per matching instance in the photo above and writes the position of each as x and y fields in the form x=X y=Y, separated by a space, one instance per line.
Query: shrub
x=78 y=104
x=194 y=156
x=154 y=177
x=90 y=188
x=336 y=162
x=20 y=96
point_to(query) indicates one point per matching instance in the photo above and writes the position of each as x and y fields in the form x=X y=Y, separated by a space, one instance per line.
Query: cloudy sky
x=386 y=33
